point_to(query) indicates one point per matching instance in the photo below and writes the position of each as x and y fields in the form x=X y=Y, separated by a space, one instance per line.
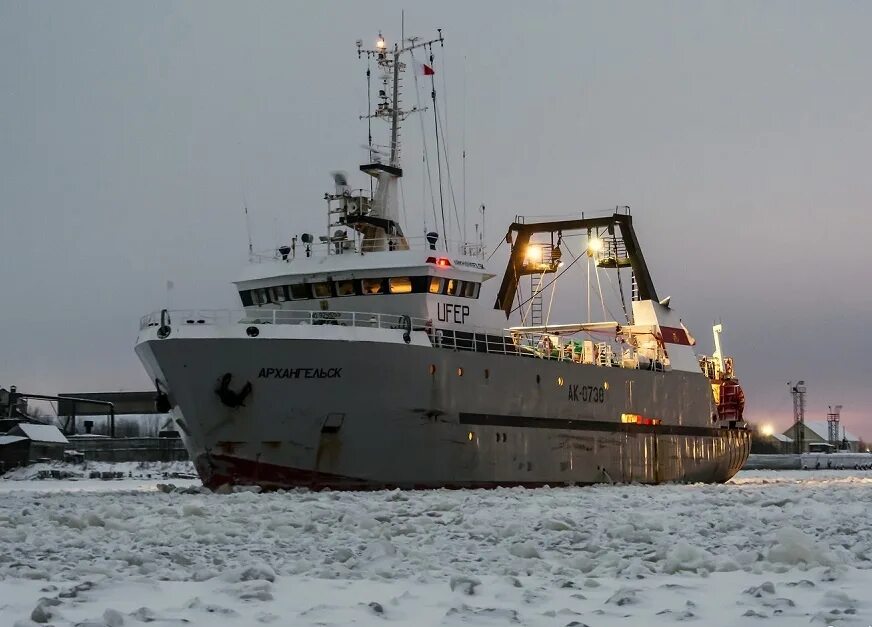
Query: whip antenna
x=248 y=227
x=245 y=205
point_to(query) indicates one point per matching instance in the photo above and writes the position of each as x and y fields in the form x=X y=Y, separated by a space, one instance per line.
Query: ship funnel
x=341 y=181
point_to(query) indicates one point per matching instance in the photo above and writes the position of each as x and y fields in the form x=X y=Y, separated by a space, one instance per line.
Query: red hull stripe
x=673 y=335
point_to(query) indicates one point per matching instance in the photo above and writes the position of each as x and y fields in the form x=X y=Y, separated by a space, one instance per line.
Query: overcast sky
x=739 y=133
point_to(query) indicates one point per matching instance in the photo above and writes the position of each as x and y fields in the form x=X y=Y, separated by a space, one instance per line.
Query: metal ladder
x=536 y=282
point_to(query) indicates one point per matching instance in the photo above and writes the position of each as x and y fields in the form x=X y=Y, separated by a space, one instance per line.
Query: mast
x=395 y=119
x=389 y=108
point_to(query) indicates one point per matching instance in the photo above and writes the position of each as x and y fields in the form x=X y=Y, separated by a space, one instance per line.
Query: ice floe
x=767 y=548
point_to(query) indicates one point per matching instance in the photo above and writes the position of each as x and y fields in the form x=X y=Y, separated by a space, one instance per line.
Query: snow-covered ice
x=769 y=548
x=136 y=470
x=135 y=476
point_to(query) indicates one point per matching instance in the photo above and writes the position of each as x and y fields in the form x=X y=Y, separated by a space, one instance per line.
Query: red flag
x=674 y=335
x=425 y=69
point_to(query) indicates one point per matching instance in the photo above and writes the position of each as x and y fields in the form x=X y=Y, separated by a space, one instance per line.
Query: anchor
x=229 y=397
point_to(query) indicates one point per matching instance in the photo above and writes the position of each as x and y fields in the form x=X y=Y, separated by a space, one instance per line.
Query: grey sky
x=738 y=132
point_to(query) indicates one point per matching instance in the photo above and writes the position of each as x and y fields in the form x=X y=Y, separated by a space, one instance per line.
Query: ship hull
x=370 y=415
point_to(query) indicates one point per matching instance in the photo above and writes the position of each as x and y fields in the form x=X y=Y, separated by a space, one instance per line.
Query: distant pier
x=809 y=461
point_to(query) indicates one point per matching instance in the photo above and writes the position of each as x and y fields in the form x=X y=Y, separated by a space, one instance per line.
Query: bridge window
x=373 y=286
x=322 y=290
x=352 y=287
x=453 y=287
x=345 y=288
x=420 y=284
x=400 y=285
x=299 y=291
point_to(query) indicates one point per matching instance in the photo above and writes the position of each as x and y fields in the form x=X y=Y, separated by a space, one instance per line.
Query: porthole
x=252 y=331
x=560 y=381
x=487 y=373
x=538 y=379
x=432 y=369
x=460 y=372
x=470 y=435
x=606 y=385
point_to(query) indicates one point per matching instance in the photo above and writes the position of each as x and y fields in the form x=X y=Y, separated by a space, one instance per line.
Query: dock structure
x=78 y=404
x=25 y=439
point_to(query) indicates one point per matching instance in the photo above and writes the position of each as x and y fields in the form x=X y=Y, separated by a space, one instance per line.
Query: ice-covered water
x=769 y=548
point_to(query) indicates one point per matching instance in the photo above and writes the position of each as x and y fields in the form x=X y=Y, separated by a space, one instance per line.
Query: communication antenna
x=833 y=417
x=798 y=392
x=247 y=226
x=481 y=239
x=463 y=153
x=245 y=207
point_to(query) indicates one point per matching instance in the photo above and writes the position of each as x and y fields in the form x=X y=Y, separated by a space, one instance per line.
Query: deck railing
x=336 y=246
x=216 y=317
x=500 y=342
x=541 y=346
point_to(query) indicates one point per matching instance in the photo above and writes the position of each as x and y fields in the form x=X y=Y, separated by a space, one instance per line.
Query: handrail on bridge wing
x=284 y=316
